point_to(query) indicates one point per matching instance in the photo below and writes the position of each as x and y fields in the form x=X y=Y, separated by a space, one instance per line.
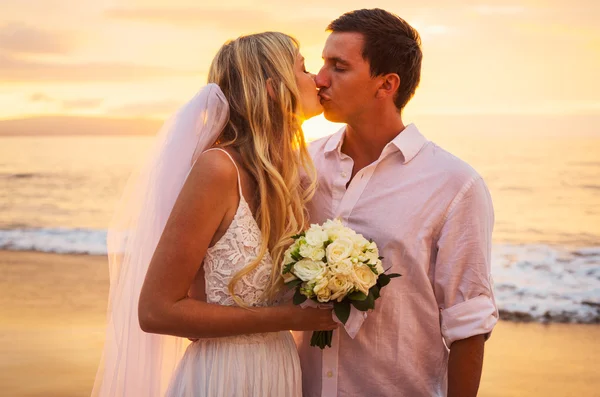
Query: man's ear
x=270 y=89
x=389 y=85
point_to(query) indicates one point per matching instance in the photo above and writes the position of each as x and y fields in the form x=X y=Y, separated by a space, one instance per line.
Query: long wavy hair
x=265 y=128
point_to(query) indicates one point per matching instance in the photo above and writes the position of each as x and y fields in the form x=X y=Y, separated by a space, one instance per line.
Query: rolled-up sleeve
x=462 y=276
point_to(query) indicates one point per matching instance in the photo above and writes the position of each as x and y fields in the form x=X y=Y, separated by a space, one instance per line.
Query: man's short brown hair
x=391 y=45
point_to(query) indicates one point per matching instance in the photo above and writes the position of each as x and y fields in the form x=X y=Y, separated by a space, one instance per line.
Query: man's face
x=345 y=85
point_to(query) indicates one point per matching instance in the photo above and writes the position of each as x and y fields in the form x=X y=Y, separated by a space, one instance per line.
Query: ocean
x=57 y=194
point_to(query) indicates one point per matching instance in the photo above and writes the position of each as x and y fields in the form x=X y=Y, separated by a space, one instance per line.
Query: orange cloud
x=142 y=109
x=237 y=22
x=86 y=103
x=22 y=39
x=19 y=70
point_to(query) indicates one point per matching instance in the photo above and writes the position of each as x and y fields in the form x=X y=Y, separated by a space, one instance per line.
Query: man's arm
x=463 y=285
x=464 y=366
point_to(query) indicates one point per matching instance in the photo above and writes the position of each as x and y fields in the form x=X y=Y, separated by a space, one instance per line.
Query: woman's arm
x=164 y=305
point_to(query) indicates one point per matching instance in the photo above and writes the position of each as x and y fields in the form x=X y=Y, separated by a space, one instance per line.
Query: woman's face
x=310 y=105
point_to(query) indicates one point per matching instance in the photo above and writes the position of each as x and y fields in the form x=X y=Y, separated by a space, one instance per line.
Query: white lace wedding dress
x=256 y=365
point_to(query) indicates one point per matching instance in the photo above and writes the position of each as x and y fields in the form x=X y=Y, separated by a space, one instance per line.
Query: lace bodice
x=238 y=247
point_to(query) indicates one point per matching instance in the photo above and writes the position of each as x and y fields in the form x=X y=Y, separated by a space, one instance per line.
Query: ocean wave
x=55 y=240
x=547 y=284
x=533 y=282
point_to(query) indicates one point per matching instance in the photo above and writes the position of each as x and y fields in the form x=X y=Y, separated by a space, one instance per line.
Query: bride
x=196 y=246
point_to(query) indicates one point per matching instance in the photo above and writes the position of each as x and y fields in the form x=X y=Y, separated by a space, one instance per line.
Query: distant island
x=78 y=125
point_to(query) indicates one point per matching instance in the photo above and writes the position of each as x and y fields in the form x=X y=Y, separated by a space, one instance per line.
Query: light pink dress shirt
x=431 y=216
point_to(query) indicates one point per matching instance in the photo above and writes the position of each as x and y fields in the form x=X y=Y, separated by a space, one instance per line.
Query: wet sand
x=52 y=314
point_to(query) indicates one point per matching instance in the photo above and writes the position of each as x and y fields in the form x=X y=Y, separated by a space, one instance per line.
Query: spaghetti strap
x=236 y=168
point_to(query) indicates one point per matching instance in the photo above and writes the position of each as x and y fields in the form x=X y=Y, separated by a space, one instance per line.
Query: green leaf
x=296 y=256
x=297 y=236
x=365 y=305
x=321 y=339
x=299 y=298
x=288 y=268
x=375 y=291
x=342 y=310
x=293 y=283
x=394 y=275
x=372 y=267
x=357 y=296
x=383 y=280
x=371 y=299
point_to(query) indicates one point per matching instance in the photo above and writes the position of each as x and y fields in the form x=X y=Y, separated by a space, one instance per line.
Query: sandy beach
x=52 y=313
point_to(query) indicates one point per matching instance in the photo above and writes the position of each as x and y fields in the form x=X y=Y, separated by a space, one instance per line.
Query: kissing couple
x=197 y=244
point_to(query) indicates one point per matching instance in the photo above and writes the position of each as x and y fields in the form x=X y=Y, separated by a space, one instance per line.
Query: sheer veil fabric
x=135 y=363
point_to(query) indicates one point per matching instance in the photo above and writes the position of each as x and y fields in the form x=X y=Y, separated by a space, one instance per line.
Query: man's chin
x=332 y=116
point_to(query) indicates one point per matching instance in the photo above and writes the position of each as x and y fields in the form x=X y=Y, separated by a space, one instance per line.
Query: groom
x=430 y=213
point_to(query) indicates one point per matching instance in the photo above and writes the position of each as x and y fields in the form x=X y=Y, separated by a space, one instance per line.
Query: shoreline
x=53 y=313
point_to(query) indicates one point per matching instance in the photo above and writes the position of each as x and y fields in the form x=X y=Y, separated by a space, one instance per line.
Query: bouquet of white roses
x=331 y=263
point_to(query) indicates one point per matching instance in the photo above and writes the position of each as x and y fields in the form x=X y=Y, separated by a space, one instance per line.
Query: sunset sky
x=142 y=58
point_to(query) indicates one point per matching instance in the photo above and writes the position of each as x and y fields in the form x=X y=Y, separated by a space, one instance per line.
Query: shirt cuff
x=476 y=316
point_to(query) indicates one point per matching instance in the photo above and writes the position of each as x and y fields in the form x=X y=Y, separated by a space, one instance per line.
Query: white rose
x=360 y=241
x=342 y=268
x=312 y=252
x=373 y=247
x=307 y=269
x=372 y=257
x=316 y=236
x=339 y=250
x=287 y=256
x=339 y=286
x=363 y=278
x=317 y=254
x=322 y=290
x=379 y=267
x=332 y=224
x=336 y=229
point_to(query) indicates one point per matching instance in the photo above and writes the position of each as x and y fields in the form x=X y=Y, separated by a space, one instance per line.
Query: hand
x=310 y=319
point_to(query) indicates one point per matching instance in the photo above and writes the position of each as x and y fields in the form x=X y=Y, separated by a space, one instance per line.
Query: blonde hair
x=266 y=130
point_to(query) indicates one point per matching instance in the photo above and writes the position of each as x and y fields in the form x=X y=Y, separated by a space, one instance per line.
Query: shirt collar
x=409 y=142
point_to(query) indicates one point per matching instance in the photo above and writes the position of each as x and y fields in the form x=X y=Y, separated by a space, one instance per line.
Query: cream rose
x=307 y=269
x=322 y=290
x=363 y=278
x=339 y=250
x=339 y=286
x=342 y=267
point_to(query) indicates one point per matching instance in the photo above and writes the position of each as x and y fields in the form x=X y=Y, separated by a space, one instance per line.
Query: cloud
x=22 y=39
x=79 y=104
x=18 y=70
x=40 y=97
x=69 y=104
x=188 y=16
x=234 y=20
x=146 y=108
x=508 y=10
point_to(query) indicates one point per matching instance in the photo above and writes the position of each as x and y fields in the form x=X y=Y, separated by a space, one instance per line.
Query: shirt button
x=344 y=174
x=330 y=374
